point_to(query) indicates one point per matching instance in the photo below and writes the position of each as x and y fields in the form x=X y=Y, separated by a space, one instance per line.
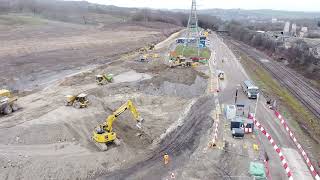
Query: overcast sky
x=292 y=5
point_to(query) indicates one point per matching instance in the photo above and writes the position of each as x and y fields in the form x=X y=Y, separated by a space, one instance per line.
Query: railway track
x=296 y=84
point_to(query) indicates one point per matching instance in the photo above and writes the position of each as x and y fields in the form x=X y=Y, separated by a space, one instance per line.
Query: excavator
x=103 y=134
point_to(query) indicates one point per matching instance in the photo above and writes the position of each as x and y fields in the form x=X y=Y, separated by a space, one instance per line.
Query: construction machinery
x=152 y=47
x=220 y=74
x=148 y=57
x=144 y=58
x=200 y=60
x=145 y=49
x=103 y=134
x=180 y=61
x=77 y=101
x=103 y=79
x=7 y=102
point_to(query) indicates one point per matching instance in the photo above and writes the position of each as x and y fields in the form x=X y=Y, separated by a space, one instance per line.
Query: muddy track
x=180 y=144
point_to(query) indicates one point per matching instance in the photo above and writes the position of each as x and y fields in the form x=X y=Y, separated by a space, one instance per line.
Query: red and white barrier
x=276 y=148
x=247 y=130
x=215 y=135
x=267 y=167
x=303 y=153
x=212 y=85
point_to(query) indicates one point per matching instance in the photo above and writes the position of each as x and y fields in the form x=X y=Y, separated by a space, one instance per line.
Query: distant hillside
x=259 y=14
x=263 y=14
x=69 y=11
x=83 y=12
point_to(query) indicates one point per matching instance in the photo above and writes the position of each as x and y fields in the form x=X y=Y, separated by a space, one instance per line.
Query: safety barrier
x=276 y=148
x=303 y=153
x=212 y=143
x=215 y=136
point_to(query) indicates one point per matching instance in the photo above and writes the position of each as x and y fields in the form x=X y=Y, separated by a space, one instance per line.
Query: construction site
x=139 y=102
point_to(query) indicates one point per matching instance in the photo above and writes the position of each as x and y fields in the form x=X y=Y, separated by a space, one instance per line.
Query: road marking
x=276 y=148
x=294 y=139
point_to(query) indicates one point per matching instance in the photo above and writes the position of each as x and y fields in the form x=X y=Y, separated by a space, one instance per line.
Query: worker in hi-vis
x=166 y=159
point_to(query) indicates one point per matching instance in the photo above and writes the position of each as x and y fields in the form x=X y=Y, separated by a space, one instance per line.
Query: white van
x=250 y=89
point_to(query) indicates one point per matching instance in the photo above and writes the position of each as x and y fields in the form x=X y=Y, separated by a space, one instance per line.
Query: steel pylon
x=192 y=35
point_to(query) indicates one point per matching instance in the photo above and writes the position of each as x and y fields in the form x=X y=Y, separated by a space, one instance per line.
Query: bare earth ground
x=46 y=140
x=33 y=56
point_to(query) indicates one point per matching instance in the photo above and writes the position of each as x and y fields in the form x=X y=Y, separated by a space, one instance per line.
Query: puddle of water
x=264 y=60
x=131 y=76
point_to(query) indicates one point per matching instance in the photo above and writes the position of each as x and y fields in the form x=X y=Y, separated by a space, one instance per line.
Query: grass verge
x=192 y=52
x=20 y=19
x=289 y=103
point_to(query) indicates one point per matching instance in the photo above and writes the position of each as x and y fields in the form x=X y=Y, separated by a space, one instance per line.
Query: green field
x=19 y=19
x=193 y=52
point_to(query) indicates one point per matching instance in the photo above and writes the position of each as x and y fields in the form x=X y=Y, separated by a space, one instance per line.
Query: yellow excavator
x=103 y=133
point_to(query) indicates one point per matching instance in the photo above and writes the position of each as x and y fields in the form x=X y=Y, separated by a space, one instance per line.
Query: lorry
x=250 y=89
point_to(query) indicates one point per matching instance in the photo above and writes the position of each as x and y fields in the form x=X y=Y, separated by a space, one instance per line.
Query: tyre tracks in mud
x=179 y=144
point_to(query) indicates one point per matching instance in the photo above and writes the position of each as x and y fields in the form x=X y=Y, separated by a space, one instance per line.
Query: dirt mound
x=166 y=81
x=160 y=87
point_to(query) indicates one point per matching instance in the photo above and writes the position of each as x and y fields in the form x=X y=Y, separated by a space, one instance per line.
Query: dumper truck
x=7 y=102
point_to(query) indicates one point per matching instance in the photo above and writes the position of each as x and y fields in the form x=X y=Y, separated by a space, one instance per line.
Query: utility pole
x=236 y=97
x=192 y=34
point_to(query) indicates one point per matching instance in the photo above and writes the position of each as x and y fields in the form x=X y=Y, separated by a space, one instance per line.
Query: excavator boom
x=128 y=105
x=103 y=133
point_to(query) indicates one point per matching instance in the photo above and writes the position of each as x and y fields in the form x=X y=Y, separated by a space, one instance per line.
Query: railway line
x=297 y=85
